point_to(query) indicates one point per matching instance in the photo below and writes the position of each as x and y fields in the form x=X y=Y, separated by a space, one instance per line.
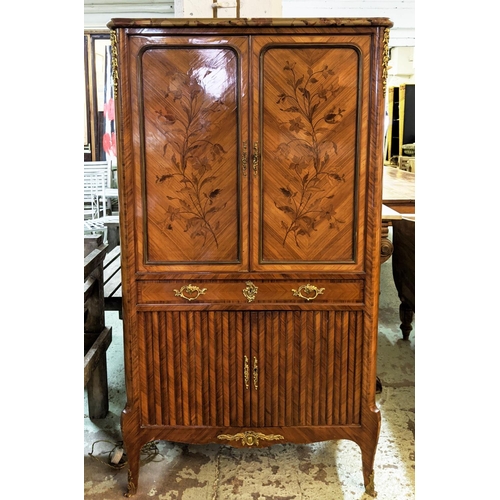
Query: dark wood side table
x=398 y=198
x=403 y=270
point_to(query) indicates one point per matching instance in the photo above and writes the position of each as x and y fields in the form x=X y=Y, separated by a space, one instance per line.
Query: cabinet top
x=173 y=22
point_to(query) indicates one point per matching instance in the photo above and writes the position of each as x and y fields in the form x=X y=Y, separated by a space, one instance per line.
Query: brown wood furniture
x=398 y=190
x=97 y=337
x=250 y=158
x=113 y=281
x=403 y=270
x=398 y=198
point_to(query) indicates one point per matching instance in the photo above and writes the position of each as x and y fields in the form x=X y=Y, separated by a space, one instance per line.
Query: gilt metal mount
x=250 y=438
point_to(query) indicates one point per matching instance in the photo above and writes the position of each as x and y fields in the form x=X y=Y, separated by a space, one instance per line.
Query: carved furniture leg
x=406 y=317
x=368 y=446
x=386 y=246
x=368 y=458
x=133 y=457
x=133 y=445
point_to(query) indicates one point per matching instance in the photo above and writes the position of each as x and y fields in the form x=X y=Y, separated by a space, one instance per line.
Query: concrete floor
x=328 y=470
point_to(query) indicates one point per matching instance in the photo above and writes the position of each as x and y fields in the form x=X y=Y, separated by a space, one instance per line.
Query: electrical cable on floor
x=116 y=455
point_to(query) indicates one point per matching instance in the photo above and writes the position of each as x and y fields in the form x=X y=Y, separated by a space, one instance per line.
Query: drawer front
x=246 y=292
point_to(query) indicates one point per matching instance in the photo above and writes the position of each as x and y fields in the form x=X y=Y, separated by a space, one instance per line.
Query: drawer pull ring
x=309 y=291
x=250 y=438
x=246 y=372
x=191 y=290
x=250 y=291
x=255 y=373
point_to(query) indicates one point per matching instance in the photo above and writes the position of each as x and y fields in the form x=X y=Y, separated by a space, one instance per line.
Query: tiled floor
x=329 y=470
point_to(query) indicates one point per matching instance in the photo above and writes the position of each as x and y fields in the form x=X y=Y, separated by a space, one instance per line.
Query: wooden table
x=398 y=210
x=398 y=190
x=398 y=198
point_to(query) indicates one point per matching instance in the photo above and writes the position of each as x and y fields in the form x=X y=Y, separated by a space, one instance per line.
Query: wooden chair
x=97 y=337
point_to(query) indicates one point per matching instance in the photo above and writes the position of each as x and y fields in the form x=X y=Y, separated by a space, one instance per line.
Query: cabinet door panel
x=191 y=368
x=192 y=202
x=312 y=134
x=309 y=367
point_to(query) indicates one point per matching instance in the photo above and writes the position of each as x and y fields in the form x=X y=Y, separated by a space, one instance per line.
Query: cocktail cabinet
x=250 y=156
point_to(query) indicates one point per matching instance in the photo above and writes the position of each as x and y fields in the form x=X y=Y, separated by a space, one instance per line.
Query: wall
x=402 y=34
x=402 y=12
x=401 y=66
x=97 y=13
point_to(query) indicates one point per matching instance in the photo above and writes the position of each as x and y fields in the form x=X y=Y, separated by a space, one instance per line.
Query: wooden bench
x=113 y=281
x=97 y=337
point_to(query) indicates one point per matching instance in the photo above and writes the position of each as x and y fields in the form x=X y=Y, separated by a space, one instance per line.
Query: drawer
x=256 y=291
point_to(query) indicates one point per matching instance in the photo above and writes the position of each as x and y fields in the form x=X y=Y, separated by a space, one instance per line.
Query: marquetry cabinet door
x=310 y=129
x=189 y=113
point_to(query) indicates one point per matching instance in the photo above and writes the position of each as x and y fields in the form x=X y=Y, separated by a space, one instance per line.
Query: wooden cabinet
x=250 y=165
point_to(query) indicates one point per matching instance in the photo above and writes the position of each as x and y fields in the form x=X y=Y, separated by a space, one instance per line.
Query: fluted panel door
x=191 y=368
x=309 y=367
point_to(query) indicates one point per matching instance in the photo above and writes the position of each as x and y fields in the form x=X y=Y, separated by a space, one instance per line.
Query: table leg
x=386 y=247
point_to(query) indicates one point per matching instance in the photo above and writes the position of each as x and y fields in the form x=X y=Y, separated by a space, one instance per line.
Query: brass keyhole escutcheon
x=250 y=291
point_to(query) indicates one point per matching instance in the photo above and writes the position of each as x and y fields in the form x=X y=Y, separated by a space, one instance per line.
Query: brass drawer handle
x=309 y=290
x=246 y=372
x=191 y=290
x=250 y=291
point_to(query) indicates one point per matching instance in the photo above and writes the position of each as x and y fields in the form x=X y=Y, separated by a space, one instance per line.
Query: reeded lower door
x=250 y=369
x=191 y=368
x=310 y=127
x=309 y=368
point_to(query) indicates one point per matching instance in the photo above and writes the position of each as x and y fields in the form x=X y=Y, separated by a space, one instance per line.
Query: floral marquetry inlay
x=309 y=153
x=193 y=155
x=192 y=177
x=310 y=120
